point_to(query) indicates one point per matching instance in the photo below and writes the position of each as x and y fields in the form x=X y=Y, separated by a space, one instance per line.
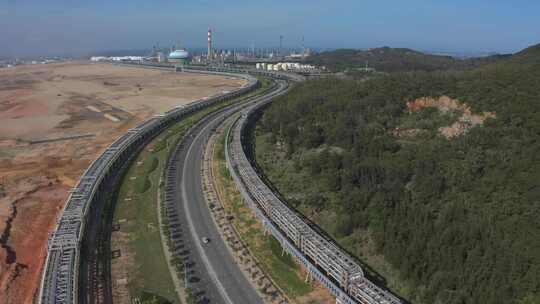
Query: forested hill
x=529 y=57
x=387 y=59
x=433 y=179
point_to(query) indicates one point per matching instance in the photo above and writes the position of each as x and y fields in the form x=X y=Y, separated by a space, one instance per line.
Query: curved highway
x=213 y=273
x=75 y=269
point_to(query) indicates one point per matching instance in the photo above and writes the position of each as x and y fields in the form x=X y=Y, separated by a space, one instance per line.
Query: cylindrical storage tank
x=179 y=56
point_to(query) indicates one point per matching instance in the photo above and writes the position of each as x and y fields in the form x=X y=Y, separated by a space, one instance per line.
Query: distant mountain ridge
x=389 y=59
x=529 y=56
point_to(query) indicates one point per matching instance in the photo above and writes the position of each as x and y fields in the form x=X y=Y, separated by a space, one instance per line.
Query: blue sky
x=30 y=27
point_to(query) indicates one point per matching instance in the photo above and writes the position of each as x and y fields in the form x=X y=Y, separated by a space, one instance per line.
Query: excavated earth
x=54 y=120
x=444 y=104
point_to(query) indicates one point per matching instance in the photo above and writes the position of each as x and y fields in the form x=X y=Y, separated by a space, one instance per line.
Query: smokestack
x=210 y=51
x=280 y=45
x=303 y=47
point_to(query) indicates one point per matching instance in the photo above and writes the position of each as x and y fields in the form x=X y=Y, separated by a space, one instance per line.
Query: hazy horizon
x=33 y=28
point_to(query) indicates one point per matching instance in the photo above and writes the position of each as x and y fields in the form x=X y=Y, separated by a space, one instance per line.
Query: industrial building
x=285 y=66
x=179 y=56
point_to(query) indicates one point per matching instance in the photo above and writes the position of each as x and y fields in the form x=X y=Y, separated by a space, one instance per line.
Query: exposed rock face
x=445 y=104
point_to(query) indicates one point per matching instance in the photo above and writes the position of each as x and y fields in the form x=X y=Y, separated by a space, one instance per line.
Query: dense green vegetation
x=395 y=59
x=149 y=298
x=455 y=220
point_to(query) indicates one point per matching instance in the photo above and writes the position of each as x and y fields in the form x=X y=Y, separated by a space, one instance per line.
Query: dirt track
x=64 y=100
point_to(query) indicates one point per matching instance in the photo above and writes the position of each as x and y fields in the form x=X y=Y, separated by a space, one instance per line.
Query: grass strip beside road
x=137 y=213
x=281 y=268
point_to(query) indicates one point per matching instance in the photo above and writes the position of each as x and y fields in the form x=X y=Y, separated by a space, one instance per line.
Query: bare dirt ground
x=444 y=104
x=60 y=101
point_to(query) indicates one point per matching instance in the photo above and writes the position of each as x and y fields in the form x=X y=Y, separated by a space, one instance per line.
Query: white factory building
x=284 y=66
x=117 y=58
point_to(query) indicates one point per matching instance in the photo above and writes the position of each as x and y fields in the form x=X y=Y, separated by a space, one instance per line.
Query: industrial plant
x=269 y=59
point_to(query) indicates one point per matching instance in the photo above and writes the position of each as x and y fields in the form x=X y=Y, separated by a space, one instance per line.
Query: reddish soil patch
x=6 y=143
x=444 y=104
x=27 y=108
x=21 y=265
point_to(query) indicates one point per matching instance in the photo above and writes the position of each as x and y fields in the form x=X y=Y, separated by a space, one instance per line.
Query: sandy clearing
x=111 y=117
x=50 y=89
x=29 y=127
x=24 y=109
x=92 y=108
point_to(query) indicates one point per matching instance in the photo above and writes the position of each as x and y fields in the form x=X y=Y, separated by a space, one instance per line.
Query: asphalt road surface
x=212 y=272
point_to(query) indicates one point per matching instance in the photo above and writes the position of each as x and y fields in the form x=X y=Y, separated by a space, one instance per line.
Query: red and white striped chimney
x=210 y=51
